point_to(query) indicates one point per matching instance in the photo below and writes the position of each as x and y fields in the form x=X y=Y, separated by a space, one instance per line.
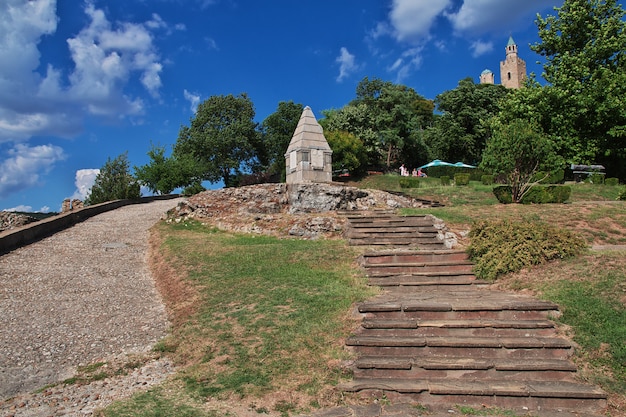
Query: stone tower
x=513 y=68
x=487 y=77
x=308 y=157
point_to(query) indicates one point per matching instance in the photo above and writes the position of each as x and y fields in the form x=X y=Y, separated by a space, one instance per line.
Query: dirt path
x=80 y=296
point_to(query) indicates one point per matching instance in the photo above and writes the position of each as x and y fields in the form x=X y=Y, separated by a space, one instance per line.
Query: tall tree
x=164 y=174
x=277 y=130
x=518 y=150
x=385 y=116
x=221 y=137
x=585 y=49
x=461 y=131
x=114 y=182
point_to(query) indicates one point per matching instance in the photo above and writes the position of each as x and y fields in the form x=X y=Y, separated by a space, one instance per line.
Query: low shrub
x=445 y=180
x=611 y=181
x=193 y=189
x=596 y=178
x=409 y=182
x=487 y=179
x=462 y=179
x=539 y=194
x=622 y=194
x=500 y=247
x=503 y=193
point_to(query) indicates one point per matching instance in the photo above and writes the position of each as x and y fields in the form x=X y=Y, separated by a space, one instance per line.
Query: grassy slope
x=254 y=329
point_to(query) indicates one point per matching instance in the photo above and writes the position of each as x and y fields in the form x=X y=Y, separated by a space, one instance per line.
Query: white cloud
x=26 y=165
x=413 y=19
x=347 y=64
x=22 y=208
x=106 y=57
x=85 y=178
x=194 y=100
x=480 y=48
x=480 y=16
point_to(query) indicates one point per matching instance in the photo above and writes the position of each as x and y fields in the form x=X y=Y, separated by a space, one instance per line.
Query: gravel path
x=81 y=296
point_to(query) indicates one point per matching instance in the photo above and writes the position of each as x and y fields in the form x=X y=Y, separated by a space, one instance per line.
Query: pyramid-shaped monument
x=308 y=157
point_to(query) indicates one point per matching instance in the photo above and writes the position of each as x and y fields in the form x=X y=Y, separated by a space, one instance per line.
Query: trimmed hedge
x=409 y=182
x=441 y=171
x=487 y=179
x=461 y=179
x=539 y=194
x=611 y=181
x=500 y=247
x=445 y=180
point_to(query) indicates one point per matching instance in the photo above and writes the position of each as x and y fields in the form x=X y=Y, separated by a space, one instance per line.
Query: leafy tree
x=277 y=130
x=114 y=182
x=518 y=151
x=348 y=152
x=221 y=138
x=460 y=133
x=385 y=116
x=585 y=49
x=164 y=174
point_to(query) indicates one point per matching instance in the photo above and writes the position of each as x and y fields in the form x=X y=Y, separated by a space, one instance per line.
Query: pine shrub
x=500 y=247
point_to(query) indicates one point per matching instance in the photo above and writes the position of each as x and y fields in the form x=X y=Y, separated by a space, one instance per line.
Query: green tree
x=385 y=116
x=164 y=174
x=461 y=131
x=348 y=152
x=584 y=45
x=221 y=139
x=519 y=150
x=277 y=130
x=114 y=182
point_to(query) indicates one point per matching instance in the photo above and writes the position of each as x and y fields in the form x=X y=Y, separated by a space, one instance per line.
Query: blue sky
x=82 y=81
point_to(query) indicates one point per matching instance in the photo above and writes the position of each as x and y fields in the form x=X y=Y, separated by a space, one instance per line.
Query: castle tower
x=487 y=77
x=308 y=157
x=513 y=68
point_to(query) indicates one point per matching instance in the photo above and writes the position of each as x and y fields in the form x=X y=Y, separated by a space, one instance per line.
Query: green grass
x=270 y=314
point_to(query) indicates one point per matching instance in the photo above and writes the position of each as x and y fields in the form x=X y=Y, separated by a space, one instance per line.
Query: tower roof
x=308 y=134
x=511 y=42
x=486 y=71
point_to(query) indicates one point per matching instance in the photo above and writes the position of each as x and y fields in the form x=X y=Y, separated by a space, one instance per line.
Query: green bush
x=539 y=194
x=596 y=178
x=462 y=179
x=503 y=193
x=409 y=182
x=543 y=194
x=487 y=179
x=193 y=189
x=450 y=171
x=611 y=181
x=622 y=194
x=500 y=247
x=445 y=180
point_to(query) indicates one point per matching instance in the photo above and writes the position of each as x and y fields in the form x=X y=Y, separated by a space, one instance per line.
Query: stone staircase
x=439 y=337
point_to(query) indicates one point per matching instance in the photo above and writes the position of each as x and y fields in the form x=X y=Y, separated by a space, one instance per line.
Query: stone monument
x=308 y=157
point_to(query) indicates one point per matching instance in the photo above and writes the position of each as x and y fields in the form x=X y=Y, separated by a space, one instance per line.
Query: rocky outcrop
x=10 y=220
x=303 y=210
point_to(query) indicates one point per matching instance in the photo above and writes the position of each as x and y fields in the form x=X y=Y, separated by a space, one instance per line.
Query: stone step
x=519 y=395
x=396 y=232
x=443 y=267
x=457 y=324
x=427 y=279
x=424 y=242
x=467 y=342
x=464 y=363
x=382 y=257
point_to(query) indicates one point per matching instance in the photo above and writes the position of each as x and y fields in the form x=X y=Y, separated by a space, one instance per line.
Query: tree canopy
x=583 y=106
x=164 y=174
x=221 y=139
x=460 y=132
x=277 y=130
x=114 y=182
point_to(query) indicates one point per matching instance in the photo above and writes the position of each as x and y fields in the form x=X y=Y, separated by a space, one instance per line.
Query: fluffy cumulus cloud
x=85 y=178
x=412 y=19
x=347 y=64
x=25 y=166
x=106 y=57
